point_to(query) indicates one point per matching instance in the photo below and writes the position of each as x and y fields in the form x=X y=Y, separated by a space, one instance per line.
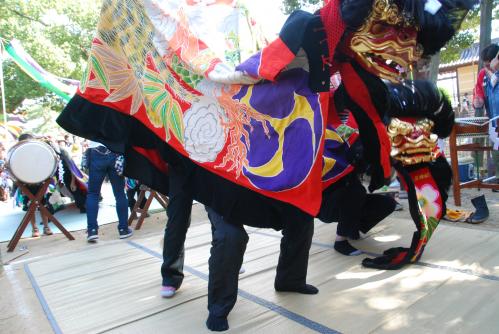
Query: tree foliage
x=467 y=35
x=291 y=5
x=57 y=34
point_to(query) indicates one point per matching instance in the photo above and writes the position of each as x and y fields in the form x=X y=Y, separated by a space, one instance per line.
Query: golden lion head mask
x=386 y=44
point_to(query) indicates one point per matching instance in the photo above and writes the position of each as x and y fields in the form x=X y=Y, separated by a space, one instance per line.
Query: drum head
x=32 y=161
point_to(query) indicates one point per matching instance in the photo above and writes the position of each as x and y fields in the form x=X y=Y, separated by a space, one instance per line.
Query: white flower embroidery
x=204 y=132
x=427 y=198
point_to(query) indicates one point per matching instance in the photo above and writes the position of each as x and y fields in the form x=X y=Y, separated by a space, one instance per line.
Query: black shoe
x=306 y=289
x=125 y=233
x=354 y=235
x=345 y=248
x=92 y=236
x=481 y=213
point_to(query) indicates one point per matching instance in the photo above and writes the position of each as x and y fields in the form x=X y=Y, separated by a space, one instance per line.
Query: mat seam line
x=421 y=264
x=43 y=301
x=257 y=300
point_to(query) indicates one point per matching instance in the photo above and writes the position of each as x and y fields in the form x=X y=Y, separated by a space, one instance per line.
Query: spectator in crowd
x=5 y=182
x=3 y=151
x=101 y=163
x=465 y=106
x=487 y=95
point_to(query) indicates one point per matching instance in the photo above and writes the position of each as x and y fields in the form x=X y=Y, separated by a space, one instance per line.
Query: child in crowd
x=5 y=182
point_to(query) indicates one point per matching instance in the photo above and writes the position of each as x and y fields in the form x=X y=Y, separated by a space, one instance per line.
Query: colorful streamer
x=65 y=89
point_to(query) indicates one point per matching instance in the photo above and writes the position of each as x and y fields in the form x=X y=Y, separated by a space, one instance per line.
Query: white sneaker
x=168 y=291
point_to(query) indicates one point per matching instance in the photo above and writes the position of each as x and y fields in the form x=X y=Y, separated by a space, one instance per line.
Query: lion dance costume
x=263 y=140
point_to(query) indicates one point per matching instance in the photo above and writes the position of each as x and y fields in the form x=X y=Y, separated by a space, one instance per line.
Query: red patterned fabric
x=334 y=25
x=274 y=58
x=359 y=93
x=426 y=208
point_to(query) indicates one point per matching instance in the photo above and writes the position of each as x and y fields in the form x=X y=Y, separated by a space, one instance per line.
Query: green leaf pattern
x=431 y=224
x=162 y=109
x=99 y=71
x=189 y=77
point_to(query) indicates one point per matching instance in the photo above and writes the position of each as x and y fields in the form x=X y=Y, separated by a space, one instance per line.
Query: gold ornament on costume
x=386 y=44
x=413 y=143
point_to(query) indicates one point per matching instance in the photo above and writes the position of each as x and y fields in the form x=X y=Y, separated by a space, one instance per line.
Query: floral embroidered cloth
x=169 y=65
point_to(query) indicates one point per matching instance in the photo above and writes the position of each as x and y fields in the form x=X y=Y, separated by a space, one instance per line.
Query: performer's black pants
x=226 y=257
x=349 y=204
x=228 y=247
x=179 y=218
x=293 y=259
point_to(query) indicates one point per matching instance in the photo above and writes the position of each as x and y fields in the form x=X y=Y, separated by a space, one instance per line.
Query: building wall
x=458 y=82
x=466 y=77
x=448 y=82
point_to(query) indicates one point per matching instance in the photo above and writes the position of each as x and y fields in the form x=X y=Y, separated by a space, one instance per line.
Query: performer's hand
x=355 y=156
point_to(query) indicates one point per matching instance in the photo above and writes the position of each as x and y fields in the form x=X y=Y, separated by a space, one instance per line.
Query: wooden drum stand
x=162 y=199
x=36 y=201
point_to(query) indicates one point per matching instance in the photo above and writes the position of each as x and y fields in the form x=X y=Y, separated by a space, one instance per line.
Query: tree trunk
x=485 y=26
x=434 y=64
x=427 y=69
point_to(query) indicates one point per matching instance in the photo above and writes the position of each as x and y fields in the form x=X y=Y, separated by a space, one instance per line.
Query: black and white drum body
x=31 y=161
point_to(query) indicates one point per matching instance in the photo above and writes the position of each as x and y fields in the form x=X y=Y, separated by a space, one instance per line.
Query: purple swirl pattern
x=301 y=139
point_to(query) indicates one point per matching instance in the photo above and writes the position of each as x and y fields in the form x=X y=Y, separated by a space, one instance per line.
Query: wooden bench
x=476 y=128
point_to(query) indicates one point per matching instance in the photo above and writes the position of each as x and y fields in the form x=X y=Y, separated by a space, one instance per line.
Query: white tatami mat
x=114 y=287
